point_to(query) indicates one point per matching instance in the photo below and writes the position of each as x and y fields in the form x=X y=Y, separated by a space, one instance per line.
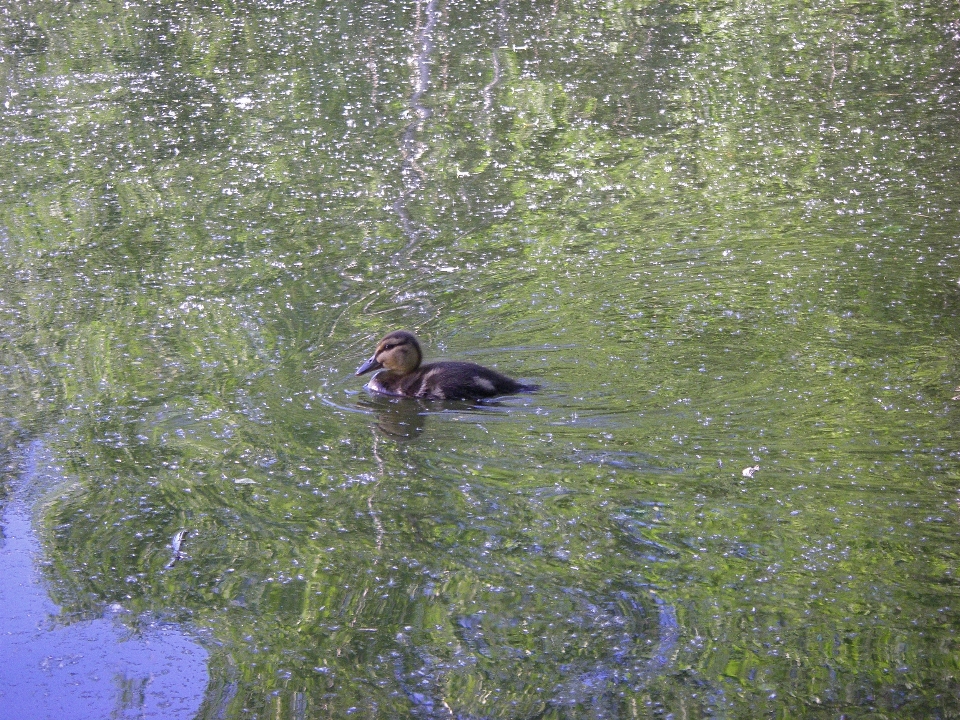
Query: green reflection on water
x=719 y=236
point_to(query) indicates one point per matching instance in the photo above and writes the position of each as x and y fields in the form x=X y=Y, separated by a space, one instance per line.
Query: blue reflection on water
x=92 y=669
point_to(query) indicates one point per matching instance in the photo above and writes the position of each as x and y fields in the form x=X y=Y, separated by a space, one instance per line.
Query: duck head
x=399 y=351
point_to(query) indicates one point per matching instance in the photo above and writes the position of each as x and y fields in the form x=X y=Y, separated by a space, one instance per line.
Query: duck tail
x=527 y=387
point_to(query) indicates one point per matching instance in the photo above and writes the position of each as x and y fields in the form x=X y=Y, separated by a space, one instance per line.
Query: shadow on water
x=397 y=418
x=405 y=418
x=99 y=668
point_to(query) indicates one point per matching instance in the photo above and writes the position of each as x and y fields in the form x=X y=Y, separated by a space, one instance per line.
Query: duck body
x=398 y=357
x=446 y=381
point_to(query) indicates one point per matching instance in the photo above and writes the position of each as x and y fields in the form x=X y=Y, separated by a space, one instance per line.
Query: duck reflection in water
x=397 y=418
x=398 y=357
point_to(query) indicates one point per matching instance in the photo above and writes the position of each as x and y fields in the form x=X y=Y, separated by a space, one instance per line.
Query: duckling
x=400 y=355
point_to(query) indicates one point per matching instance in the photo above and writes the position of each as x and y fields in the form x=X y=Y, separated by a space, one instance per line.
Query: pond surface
x=55 y=667
x=722 y=237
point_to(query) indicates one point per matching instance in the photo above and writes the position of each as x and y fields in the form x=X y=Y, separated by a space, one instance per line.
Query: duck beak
x=371 y=364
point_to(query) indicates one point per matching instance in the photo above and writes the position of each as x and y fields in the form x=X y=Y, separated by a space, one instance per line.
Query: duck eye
x=389 y=347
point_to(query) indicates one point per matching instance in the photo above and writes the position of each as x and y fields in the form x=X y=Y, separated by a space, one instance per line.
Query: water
x=720 y=237
x=55 y=666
